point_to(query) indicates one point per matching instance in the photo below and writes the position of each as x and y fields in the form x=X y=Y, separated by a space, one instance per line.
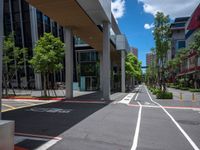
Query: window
x=180 y=44
x=47 y=24
x=40 y=23
x=54 y=29
x=88 y=56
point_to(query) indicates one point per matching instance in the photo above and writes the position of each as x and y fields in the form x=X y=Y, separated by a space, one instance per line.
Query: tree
x=133 y=67
x=162 y=43
x=12 y=60
x=151 y=72
x=195 y=45
x=48 y=56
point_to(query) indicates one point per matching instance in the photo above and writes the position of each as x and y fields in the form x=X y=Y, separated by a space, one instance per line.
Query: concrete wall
x=6 y=135
x=180 y=34
x=106 y=5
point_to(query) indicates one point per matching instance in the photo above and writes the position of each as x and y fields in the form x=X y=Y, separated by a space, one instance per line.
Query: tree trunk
x=45 y=85
x=195 y=81
x=6 y=79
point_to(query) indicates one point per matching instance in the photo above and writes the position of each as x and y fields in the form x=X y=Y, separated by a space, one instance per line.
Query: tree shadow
x=52 y=119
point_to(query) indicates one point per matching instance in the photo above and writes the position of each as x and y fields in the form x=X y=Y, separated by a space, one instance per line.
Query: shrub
x=164 y=95
x=194 y=90
x=155 y=91
x=184 y=88
x=173 y=86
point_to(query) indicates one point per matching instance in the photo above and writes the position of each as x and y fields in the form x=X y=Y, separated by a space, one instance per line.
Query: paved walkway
x=186 y=95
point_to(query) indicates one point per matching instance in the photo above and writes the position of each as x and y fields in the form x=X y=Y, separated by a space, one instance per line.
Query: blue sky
x=136 y=17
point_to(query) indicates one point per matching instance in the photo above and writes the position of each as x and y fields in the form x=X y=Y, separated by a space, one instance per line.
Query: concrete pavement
x=137 y=121
x=186 y=95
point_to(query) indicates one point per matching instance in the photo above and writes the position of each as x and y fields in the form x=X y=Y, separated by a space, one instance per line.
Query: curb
x=34 y=98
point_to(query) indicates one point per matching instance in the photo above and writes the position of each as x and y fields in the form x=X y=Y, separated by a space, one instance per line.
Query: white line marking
x=127 y=99
x=47 y=145
x=137 y=130
x=174 y=121
x=147 y=103
x=136 y=96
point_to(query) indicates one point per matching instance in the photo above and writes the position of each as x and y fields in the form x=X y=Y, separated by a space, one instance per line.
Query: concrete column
x=7 y=135
x=101 y=70
x=34 y=34
x=123 y=73
x=68 y=40
x=106 y=60
x=1 y=49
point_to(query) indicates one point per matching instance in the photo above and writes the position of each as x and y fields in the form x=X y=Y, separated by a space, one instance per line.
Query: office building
x=150 y=58
x=29 y=24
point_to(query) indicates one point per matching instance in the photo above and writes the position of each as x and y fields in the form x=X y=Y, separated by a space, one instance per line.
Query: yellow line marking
x=9 y=106
x=27 y=106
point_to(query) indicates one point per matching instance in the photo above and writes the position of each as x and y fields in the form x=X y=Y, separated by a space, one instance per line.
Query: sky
x=135 y=19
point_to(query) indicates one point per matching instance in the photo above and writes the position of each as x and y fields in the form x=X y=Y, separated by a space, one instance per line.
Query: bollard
x=181 y=96
x=193 y=97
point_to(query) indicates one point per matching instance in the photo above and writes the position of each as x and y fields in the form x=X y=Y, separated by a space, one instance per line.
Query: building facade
x=28 y=24
x=150 y=58
x=177 y=37
x=134 y=51
x=183 y=31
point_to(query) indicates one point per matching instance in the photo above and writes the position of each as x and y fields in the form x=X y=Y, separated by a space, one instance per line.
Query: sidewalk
x=186 y=95
x=59 y=95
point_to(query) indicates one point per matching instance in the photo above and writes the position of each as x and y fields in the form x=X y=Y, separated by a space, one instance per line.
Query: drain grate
x=189 y=122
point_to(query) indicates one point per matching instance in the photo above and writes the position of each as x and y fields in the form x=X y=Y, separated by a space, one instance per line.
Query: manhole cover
x=189 y=122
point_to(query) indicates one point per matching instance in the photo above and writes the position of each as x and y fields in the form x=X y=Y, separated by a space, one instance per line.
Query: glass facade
x=88 y=69
x=17 y=19
x=40 y=26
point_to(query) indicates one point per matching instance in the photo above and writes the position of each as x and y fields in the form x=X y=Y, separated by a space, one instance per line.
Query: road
x=138 y=121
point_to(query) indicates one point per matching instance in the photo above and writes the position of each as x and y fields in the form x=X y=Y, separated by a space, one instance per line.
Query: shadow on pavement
x=51 y=119
x=91 y=96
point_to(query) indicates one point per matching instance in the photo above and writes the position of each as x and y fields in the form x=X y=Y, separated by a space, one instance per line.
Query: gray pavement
x=186 y=95
x=113 y=125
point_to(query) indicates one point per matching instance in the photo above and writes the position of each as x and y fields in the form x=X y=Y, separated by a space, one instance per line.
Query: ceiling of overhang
x=68 y=13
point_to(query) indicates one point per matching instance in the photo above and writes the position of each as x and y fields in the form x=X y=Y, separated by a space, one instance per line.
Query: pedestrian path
x=184 y=95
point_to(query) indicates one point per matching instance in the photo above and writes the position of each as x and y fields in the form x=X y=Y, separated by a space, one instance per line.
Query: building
x=30 y=21
x=190 y=65
x=183 y=31
x=134 y=51
x=150 y=58
x=192 y=26
x=177 y=37
x=28 y=24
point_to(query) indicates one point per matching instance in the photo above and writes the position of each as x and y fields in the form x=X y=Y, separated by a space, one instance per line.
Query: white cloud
x=174 y=8
x=118 y=8
x=148 y=26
